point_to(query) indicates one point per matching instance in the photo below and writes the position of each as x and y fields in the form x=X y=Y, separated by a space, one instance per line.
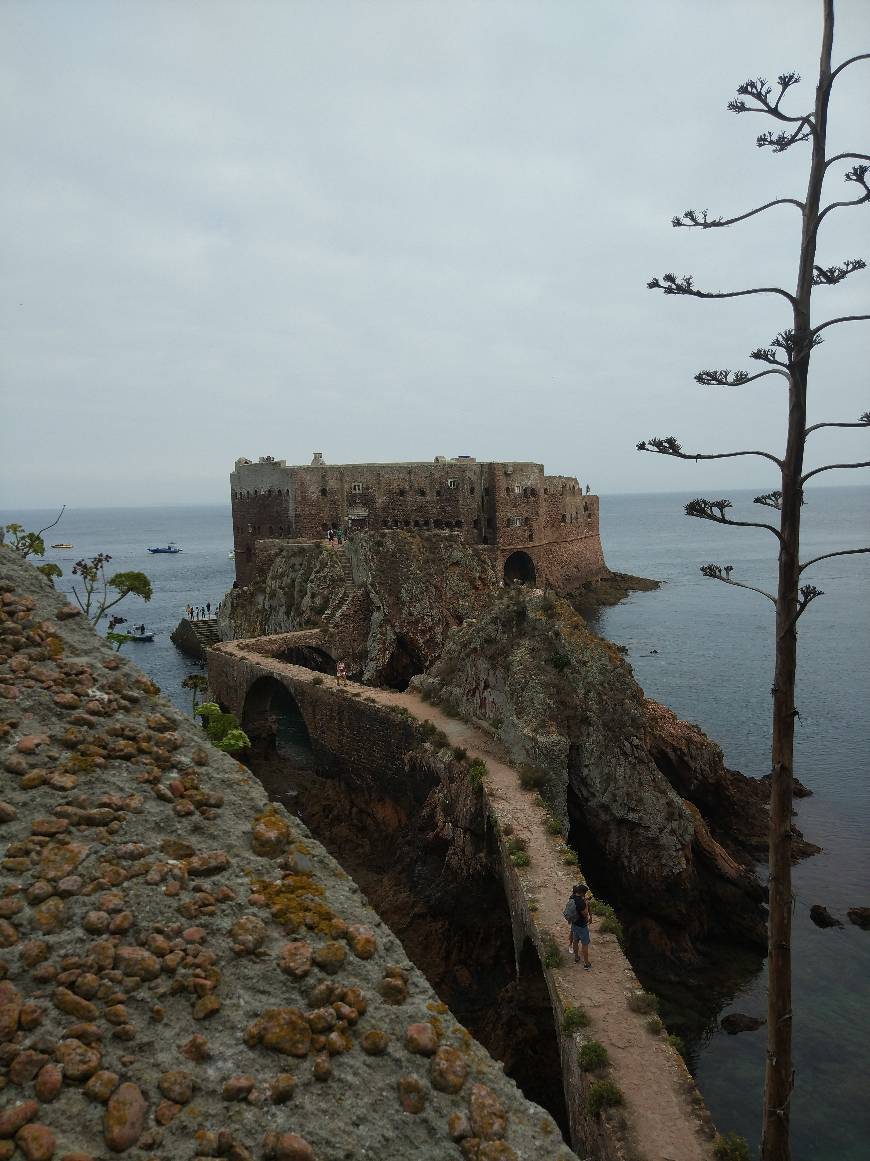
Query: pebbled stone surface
x=184 y=971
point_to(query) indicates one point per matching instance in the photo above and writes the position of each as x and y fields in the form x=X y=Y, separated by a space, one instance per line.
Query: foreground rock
x=860 y=916
x=822 y=917
x=636 y=785
x=184 y=971
x=740 y=1022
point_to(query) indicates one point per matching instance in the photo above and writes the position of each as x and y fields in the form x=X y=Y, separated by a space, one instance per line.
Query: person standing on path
x=340 y=673
x=578 y=915
x=208 y=607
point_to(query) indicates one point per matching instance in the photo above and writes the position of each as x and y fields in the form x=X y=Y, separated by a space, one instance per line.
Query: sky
x=395 y=230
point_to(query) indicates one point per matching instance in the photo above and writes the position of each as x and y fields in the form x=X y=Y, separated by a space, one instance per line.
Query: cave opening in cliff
x=519 y=569
x=273 y=721
x=310 y=657
x=438 y=886
x=404 y=663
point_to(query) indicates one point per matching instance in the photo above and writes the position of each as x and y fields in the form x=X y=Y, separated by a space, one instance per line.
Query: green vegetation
x=521 y=859
x=552 y=957
x=593 y=1056
x=678 y=1044
x=197 y=682
x=575 y=1017
x=552 y=825
x=603 y=1094
x=477 y=771
x=460 y=753
x=531 y=778
x=654 y=1024
x=515 y=844
x=569 y=857
x=731 y=1147
x=223 y=729
x=98 y=590
x=318 y=680
x=643 y=1002
x=560 y=662
x=31 y=544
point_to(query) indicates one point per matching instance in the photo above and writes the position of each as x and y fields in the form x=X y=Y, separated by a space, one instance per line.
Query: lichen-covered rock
x=135 y=910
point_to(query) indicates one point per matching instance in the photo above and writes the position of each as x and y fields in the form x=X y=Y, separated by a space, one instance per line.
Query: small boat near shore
x=139 y=633
x=171 y=548
x=63 y=546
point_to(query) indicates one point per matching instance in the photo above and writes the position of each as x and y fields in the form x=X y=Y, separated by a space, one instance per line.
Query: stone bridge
x=365 y=738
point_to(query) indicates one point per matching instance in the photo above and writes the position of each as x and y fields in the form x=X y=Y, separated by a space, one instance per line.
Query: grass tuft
x=603 y=1094
x=575 y=1017
x=552 y=957
x=593 y=1056
x=731 y=1147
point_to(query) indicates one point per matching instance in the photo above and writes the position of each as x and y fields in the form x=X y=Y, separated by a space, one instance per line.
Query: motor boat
x=139 y=633
x=170 y=548
x=63 y=546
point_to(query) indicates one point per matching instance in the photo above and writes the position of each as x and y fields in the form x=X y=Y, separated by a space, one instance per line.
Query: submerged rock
x=860 y=916
x=736 y=1022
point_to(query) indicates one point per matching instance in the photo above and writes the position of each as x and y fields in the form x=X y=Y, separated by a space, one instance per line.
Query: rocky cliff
x=384 y=602
x=184 y=971
x=632 y=785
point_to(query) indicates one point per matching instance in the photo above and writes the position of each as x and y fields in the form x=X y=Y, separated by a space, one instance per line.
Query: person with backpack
x=579 y=916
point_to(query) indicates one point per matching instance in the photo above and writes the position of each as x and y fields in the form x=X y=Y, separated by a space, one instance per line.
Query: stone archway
x=310 y=656
x=519 y=569
x=272 y=719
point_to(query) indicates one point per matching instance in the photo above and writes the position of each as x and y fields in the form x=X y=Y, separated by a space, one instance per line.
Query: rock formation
x=184 y=971
x=384 y=604
x=634 y=784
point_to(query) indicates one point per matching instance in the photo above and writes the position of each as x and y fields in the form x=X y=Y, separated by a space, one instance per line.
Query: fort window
x=517 y=489
x=403 y=491
x=416 y=523
x=421 y=491
x=489 y=522
x=519 y=569
x=525 y=491
x=564 y=518
x=323 y=491
x=486 y=491
x=452 y=483
x=476 y=522
x=356 y=488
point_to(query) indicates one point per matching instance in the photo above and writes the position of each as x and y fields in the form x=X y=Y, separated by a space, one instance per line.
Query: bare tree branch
x=847 y=157
x=53 y=523
x=780 y=142
x=698 y=219
x=846 y=63
x=726 y=378
x=703 y=509
x=831 y=275
x=670 y=446
x=717 y=572
x=857 y=174
x=759 y=90
x=845 y=318
x=863 y=421
x=671 y=284
x=828 y=555
x=808 y=593
x=831 y=467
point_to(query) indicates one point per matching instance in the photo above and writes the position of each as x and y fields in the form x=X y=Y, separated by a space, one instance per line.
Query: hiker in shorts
x=578 y=915
x=340 y=673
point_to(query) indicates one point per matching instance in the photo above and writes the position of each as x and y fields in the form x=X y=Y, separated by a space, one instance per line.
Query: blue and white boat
x=171 y=548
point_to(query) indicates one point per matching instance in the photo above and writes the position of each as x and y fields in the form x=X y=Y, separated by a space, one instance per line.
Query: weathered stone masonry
x=540 y=528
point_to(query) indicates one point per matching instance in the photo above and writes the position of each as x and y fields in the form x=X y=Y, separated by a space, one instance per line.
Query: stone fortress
x=539 y=529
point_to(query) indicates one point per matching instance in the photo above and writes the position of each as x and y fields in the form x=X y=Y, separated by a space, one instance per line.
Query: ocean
x=705 y=650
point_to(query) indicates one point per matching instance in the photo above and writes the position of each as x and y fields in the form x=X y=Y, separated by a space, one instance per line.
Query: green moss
x=593 y=1056
x=521 y=859
x=477 y=771
x=552 y=825
x=677 y=1043
x=603 y=1094
x=569 y=857
x=552 y=952
x=731 y=1147
x=574 y=1017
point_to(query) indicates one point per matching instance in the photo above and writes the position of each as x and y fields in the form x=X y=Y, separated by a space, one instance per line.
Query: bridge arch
x=272 y=719
x=519 y=568
x=309 y=656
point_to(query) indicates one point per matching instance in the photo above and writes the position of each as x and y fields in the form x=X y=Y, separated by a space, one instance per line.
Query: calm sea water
x=713 y=666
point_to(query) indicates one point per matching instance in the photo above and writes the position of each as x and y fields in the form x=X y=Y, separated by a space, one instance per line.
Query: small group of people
x=202 y=612
x=336 y=537
x=579 y=918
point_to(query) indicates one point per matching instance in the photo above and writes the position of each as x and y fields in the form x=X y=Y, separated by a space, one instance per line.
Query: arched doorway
x=519 y=569
x=273 y=721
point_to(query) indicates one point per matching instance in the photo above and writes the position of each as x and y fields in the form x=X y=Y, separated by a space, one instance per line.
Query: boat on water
x=139 y=633
x=170 y=548
x=63 y=546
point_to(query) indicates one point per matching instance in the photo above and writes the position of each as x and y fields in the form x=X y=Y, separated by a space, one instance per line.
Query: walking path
x=666 y=1119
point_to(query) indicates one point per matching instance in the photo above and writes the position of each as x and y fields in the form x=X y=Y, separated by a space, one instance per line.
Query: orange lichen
x=295 y=902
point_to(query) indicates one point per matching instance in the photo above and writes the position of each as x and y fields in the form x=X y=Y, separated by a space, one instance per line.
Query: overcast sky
x=391 y=230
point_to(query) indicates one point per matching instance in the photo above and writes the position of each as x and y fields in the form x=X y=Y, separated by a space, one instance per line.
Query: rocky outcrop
x=634 y=790
x=384 y=602
x=184 y=971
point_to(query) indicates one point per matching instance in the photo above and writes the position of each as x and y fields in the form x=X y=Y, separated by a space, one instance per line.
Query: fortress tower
x=540 y=529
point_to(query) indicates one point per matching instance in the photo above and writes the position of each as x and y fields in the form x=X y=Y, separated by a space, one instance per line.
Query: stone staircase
x=346 y=566
x=194 y=637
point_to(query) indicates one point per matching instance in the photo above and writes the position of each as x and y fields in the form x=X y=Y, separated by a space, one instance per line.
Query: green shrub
x=531 y=778
x=516 y=844
x=592 y=1056
x=575 y=1017
x=476 y=771
x=611 y=926
x=552 y=952
x=521 y=859
x=604 y=910
x=553 y=825
x=317 y=680
x=643 y=1002
x=560 y=662
x=677 y=1043
x=731 y=1147
x=654 y=1025
x=603 y=1094
x=569 y=857
x=460 y=753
